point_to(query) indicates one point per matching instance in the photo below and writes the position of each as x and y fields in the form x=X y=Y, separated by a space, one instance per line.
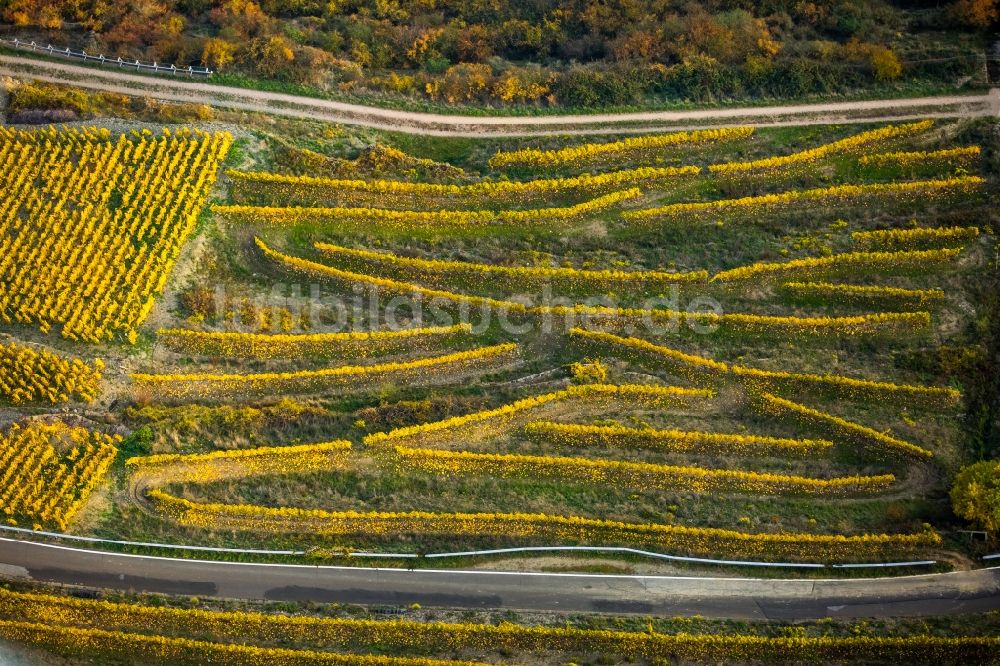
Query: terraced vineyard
x=126 y=629
x=746 y=344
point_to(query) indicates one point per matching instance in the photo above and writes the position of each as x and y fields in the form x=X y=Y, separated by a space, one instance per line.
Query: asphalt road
x=180 y=90
x=737 y=598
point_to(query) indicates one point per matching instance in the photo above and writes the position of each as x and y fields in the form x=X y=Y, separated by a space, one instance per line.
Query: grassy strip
x=634 y=475
x=552 y=528
x=705 y=370
x=884 y=298
x=751 y=209
x=848 y=264
x=509 y=279
x=863 y=436
x=371 y=219
x=895 y=324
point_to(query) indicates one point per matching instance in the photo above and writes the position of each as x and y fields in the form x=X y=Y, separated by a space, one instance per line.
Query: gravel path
x=180 y=90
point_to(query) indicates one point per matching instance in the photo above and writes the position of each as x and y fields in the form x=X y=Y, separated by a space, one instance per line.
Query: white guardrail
x=477 y=553
x=137 y=65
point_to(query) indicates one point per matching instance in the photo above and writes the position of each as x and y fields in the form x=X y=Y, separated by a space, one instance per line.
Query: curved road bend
x=180 y=90
x=738 y=598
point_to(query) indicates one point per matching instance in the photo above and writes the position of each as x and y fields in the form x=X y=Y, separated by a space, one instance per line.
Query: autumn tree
x=522 y=85
x=466 y=82
x=977 y=13
x=474 y=44
x=424 y=47
x=33 y=12
x=50 y=18
x=217 y=53
x=975 y=495
x=639 y=46
x=273 y=56
x=240 y=20
x=885 y=64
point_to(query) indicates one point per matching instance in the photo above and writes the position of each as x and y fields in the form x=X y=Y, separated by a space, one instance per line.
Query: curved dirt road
x=181 y=90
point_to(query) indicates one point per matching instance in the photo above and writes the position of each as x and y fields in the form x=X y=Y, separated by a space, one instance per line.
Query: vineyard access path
x=179 y=90
x=737 y=598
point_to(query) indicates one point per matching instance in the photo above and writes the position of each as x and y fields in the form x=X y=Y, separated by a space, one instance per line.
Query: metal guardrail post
x=68 y=52
x=478 y=553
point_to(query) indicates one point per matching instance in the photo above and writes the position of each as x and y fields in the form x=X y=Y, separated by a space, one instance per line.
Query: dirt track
x=183 y=90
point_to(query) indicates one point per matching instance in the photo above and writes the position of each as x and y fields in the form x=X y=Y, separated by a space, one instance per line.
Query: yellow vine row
x=497 y=192
x=634 y=475
x=850 y=144
x=443 y=637
x=511 y=279
x=32 y=375
x=702 y=369
x=69 y=258
x=424 y=370
x=845 y=264
x=893 y=240
x=693 y=367
x=693 y=540
x=360 y=344
x=132 y=647
x=502 y=417
x=39 y=484
x=867 y=438
x=862 y=295
x=239 y=464
x=897 y=323
x=961 y=157
x=405 y=220
x=631 y=148
x=685 y=441
x=756 y=207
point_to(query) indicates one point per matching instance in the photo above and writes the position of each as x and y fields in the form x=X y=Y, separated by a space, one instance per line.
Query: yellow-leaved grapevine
x=90 y=226
x=753 y=208
x=851 y=144
x=685 y=441
x=894 y=240
x=445 y=368
x=47 y=470
x=348 y=345
x=28 y=374
x=634 y=475
x=641 y=147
